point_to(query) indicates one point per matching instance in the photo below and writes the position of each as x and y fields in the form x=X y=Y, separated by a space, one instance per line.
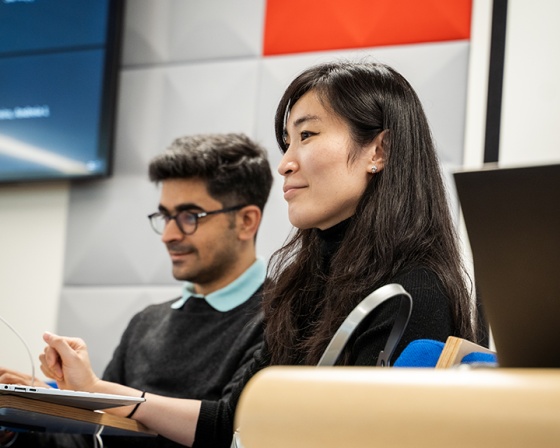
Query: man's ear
x=248 y=220
x=376 y=151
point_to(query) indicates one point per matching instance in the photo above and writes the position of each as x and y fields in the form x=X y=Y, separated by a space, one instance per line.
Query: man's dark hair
x=235 y=168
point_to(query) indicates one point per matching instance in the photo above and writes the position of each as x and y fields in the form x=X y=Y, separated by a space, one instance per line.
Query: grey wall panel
x=157 y=105
x=145 y=33
x=438 y=72
x=164 y=31
x=139 y=120
x=110 y=241
x=100 y=315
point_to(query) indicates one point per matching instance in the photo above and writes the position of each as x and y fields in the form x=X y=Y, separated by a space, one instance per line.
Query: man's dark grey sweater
x=192 y=352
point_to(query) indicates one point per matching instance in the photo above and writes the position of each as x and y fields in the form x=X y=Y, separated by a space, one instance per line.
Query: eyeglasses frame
x=196 y=215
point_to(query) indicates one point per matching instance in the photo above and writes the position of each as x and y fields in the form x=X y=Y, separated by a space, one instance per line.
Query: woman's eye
x=306 y=134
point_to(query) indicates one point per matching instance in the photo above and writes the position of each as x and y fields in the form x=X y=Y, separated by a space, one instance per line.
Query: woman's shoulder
x=423 y=282
x=431 y=304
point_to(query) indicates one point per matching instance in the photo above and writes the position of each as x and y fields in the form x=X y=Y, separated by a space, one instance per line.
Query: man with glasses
x=213 y=192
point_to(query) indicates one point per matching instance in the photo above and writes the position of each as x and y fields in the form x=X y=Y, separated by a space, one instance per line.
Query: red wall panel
x=296 y=26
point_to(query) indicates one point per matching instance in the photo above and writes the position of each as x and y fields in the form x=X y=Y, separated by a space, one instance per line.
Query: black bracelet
x=137 y=404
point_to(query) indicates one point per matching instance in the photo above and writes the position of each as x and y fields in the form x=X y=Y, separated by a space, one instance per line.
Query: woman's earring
x=373 y=169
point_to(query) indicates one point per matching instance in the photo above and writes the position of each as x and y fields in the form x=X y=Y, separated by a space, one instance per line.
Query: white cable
x=97 y=440
x=26 y=346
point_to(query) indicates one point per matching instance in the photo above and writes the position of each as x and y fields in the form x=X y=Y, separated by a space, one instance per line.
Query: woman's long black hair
x=402 y=219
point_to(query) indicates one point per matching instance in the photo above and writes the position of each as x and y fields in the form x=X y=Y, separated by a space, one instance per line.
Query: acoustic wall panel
x=139 y=116
x=167 y=31
x=110 y=241
x=157 y=105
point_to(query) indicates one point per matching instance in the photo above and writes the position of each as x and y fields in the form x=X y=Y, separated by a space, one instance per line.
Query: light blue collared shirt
x=232 y=295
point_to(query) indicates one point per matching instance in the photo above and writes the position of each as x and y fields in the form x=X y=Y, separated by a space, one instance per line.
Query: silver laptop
x=84 y=400
x=512 y=217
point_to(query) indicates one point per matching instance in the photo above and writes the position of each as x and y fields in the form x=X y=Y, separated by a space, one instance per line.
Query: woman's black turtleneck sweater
x=431 y=318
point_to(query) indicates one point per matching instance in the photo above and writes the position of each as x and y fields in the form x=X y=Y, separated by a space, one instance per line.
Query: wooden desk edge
x=84 y=415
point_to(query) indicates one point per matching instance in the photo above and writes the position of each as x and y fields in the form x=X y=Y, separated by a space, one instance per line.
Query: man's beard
x=224 y=258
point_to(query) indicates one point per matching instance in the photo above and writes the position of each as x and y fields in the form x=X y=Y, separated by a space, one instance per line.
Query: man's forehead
x=182 y=192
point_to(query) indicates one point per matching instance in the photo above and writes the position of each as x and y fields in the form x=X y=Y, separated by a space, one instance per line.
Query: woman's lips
x=289 y=191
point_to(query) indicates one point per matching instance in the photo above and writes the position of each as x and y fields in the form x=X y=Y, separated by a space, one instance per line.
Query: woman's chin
x=300 y=222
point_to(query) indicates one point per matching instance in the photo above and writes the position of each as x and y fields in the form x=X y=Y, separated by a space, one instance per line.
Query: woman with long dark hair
x=389 y=217
x=365 y=193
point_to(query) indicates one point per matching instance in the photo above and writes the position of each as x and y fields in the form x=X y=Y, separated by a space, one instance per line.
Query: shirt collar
x=232 y=295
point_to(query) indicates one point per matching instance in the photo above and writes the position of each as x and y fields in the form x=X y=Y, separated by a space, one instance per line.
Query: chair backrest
x=363 y=309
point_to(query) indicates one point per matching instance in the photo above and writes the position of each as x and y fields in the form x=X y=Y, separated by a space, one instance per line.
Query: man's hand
x=66 y=361
x=9 y=376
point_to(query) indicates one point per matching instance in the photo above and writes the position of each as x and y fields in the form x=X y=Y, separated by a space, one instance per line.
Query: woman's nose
x=288 y=164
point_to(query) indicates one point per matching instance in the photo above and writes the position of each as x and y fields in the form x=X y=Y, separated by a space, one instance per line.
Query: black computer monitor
x=59 y=63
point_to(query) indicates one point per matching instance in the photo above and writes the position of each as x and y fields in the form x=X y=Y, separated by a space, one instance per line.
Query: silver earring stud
x=373 y=169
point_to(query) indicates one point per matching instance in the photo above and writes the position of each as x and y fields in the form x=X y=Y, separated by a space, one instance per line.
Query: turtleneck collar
x=332 y=237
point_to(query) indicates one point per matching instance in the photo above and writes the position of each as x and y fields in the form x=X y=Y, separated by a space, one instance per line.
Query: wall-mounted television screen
x=59 y=62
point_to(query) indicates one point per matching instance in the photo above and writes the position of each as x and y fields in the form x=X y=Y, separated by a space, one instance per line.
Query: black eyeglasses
x=186 y=221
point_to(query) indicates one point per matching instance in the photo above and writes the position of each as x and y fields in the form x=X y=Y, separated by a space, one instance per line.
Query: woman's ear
x=248 y=221
x=376 y=153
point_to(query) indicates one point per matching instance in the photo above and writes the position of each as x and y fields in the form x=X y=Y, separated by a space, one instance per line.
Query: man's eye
x=187 y=217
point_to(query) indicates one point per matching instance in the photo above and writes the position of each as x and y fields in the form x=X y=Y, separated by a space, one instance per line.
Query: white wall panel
x=32 y=240
x=100 y=315
x=531 y=91
x=477 y=90
x=164 y=31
